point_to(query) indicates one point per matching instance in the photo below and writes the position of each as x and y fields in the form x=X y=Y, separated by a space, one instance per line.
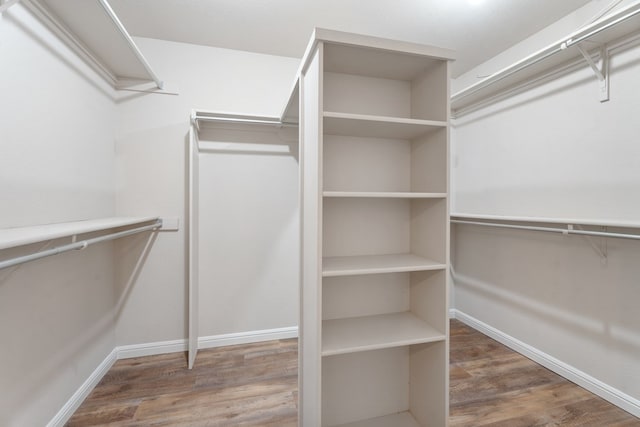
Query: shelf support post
x=601 y=72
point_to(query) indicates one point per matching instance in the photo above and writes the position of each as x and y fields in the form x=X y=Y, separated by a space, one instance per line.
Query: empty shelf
x=354 y=334
x=365 y=125
x=374 y=264
x=12 y=237
x=403 y=419
x=385 y=194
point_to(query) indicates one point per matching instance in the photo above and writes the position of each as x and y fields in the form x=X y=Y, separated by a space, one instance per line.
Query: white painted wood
x=363 y=385
x=384 y=194
x=311 y=242
x=350 y=93
x=193 y=266
x=340 y=336
x=384 y=220
x=386 y=293
x=376 y=264
x=402 y=419
x=19 y=236
x=429 y=383
x=90 y=31
x=249 y=337
x=350 y=124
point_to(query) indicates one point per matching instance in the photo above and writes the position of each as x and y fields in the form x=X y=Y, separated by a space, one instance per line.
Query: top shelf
x=365 y=125
x=92 y=29
x=611 y=28
x=19 y=236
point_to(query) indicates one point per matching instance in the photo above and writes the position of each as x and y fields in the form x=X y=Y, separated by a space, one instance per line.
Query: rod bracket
x=601 y=70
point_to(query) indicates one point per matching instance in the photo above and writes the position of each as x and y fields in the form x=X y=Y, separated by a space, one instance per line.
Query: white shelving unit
x=374 y=117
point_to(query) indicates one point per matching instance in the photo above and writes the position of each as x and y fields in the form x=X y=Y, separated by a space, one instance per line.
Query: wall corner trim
x=597 y=387
x=85 y=389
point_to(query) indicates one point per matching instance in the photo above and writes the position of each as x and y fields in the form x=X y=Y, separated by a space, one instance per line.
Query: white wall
x=56 y=164
x=151 y=180
x=555 y=151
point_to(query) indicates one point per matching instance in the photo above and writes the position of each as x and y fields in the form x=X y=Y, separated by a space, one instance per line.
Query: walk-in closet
x=319 y=213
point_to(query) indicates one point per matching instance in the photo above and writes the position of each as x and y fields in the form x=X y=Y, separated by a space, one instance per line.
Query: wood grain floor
x=256 y=385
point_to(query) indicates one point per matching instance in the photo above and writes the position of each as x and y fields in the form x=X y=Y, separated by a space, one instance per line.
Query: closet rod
x=243 y=120
x=77 y=245
x=569 y=230
x=132 y=45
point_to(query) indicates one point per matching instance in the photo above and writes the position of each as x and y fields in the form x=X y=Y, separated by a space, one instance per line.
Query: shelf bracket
x=598 y=244
x=601 y=71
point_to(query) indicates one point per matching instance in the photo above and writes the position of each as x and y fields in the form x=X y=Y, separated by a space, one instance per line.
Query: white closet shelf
x=402 y=419
x=385 y=194
x=606 y=30
x=377 y=264
x=364 y=125
x=12 y=237
x=340 y=336
x=92 y=29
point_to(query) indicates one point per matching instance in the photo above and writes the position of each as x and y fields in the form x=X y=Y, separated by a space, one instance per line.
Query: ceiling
x=476 y=29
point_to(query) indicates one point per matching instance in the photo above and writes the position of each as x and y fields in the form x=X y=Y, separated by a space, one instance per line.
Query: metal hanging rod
x=77 y=245
x=565 y=231
x=243 y=120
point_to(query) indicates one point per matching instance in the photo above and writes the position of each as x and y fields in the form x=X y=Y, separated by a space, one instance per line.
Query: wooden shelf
x=562 y=52
x=364 y=125
x=403 y=419
x=19 y=236
x=340 y=336
x=385 y=194
x=377 y=264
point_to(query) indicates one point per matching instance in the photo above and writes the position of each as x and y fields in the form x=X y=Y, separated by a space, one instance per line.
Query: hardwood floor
x=494 y=386
x=245 y=385
x=256 y=385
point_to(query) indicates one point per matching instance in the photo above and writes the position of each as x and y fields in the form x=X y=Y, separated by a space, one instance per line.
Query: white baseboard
x=78 y=397
x=247 y=337
x=162 y=347
x=597 y=387
x=151 y=349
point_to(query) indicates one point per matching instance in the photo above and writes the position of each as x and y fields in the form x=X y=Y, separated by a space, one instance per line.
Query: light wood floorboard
x=256 y=385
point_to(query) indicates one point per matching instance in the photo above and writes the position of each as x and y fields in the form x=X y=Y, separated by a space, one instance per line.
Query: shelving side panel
x=343 y=297
x=366 y=226
x=366 y=164
x=364 y=385
x=429 y=162
x=429 y=298
x=349 y=93
x=429 y=232
x=430 y=93
x=429 y=383
x=311 y=243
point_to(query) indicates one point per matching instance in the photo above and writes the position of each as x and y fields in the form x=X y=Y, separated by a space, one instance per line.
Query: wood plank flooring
x=256 y=385
x=493 y=386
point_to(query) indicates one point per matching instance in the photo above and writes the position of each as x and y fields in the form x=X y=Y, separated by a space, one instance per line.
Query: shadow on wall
x=591 y=327
x=57 y=323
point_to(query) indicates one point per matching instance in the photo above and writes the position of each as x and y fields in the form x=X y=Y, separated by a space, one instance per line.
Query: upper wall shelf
x=92 y=29
x=19 y=236
x=563 y=52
